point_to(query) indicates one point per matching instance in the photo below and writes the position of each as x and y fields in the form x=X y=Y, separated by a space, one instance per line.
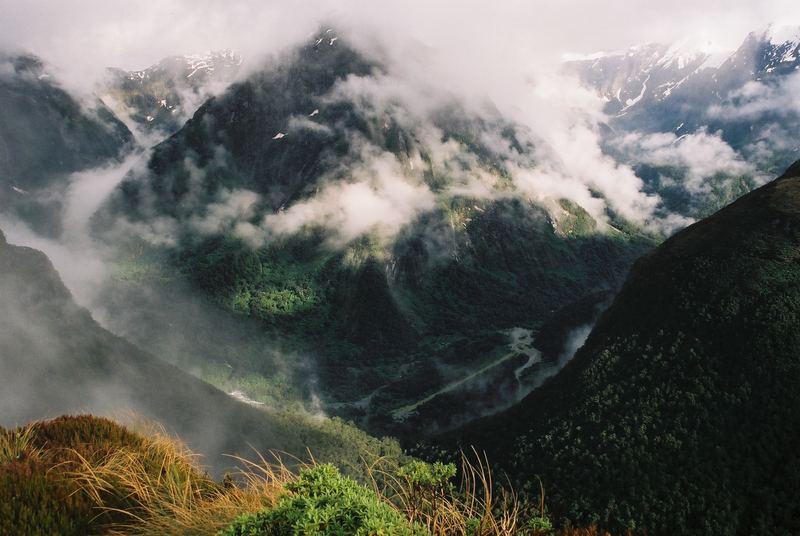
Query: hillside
x=388 y=253
x=680 y=413
x=57 y=359
x=46 y=134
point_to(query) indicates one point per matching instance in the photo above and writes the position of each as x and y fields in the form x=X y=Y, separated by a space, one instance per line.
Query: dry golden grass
x=159 y=489
x=17 y=444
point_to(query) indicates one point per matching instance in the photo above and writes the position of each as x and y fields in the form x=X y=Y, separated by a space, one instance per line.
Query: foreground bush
x=322 y=502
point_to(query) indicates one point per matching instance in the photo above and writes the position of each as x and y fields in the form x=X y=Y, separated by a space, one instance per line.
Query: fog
x=472 y=40
x=489 y=60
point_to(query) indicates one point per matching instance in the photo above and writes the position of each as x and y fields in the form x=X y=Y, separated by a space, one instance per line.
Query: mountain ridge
x=678 y=412
x=57 y=359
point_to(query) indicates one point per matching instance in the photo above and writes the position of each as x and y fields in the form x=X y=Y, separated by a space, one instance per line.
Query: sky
x=475 y=38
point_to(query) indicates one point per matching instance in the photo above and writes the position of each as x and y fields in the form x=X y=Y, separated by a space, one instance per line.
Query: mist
x=436 y=65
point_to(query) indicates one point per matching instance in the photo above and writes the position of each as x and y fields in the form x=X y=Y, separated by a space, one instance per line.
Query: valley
x=345 y=279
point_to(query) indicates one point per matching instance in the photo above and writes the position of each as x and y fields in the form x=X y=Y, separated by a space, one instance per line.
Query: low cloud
x=700 y=155
x=757 y=99
x=79 y=260
x=378 y=197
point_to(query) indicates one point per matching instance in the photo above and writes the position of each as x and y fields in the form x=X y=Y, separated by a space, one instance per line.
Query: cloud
x=75 y=255
x=231 y=207
x=481 y=56
x=377 y=197
x=470 y=45
x=757 y=99
x=701 y=155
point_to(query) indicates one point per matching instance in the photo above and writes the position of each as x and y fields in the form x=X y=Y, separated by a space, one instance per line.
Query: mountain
x=389 y=251
x=643 y=74
x=162 y=97
x=680 y=413
x=55 y=359
x=644 y=80
x=46 y=134
x=694 y=121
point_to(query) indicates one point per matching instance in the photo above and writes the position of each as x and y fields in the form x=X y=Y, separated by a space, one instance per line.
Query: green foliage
x=539 y=525
x=427 y=475
x=679 y=415
x=323 y=503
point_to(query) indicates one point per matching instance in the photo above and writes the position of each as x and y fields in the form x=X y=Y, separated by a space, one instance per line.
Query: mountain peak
x=326 y=36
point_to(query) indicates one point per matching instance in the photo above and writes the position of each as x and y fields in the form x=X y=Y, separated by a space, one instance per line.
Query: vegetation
x=88 y=475
x=37 y=495
x=362 y=331
x=679 y=414
x=374 y=319
x=322 y=502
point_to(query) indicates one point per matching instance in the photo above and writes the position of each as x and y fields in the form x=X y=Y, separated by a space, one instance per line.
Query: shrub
x=323 y=502
x=424 y=494
x=539 y=525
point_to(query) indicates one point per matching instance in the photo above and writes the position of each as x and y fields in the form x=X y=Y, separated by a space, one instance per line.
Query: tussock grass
x=159 y=488
x=18 y=444
x=165 y=491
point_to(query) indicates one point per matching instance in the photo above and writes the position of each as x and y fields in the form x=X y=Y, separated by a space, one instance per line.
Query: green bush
x=427 y=475
x=539 y=525
x=323 y=502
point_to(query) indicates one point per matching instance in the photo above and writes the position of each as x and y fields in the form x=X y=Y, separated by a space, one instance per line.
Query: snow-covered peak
x=698 y=52
x=634 y=50
x=686 y=53
x=209 y=61
x=779 y=46
x=191 y=65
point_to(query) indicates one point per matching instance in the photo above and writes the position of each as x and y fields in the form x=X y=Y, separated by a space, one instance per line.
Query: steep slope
x=45 y=134
x=55 y=359
x=681 y=413
x=390 y=248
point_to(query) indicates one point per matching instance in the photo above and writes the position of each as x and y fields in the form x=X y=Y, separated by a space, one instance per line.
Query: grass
x=423 y=493
x=84 y=475
x=167 y=493
x=17 y=444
